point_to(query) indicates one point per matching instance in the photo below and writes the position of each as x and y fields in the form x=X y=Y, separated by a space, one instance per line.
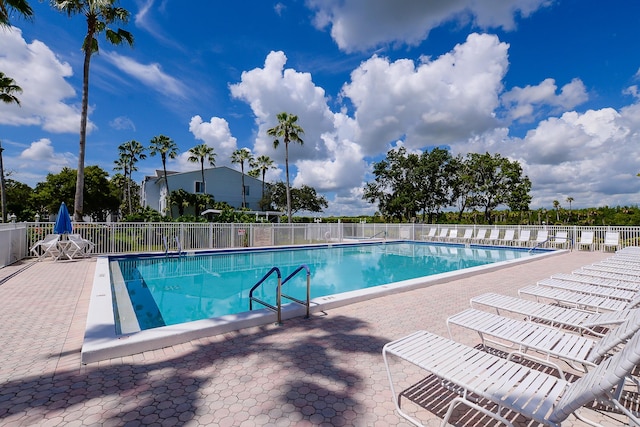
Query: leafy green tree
x=20 y=200
x=166 y=147
x=432 y=181
x=56 y=188
x=8 y=89
x=130 y=153
x=260 y=166
x=304 y=198
x=99 y=15
x=288 y=130
x=395 y=187
x=462 y=186
x=498 y=181
x=200 y=153
x=100 y=198
x=240 y=156
x=20 y=6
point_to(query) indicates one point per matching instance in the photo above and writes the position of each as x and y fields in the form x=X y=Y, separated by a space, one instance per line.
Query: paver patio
x=327 y=370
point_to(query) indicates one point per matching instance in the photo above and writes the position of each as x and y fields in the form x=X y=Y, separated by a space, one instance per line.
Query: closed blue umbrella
x=63 y=222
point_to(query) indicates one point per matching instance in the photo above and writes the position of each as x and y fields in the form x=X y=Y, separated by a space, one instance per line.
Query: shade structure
x=63 y=222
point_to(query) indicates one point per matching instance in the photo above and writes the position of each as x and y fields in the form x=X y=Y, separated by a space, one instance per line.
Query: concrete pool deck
x=327 y=370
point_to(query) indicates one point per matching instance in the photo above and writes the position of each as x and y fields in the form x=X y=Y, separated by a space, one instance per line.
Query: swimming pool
x=181 y=298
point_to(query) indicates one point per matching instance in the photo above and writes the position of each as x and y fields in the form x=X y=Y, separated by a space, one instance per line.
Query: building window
x=199 y=187
x=246 y=190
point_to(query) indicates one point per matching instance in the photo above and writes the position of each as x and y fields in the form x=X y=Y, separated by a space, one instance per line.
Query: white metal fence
x=115 y=238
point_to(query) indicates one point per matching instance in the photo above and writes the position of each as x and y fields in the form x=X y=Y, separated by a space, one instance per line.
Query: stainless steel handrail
x=278 y=307
x=305 y=303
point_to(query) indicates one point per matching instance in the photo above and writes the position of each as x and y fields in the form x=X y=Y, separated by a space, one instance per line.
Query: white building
x=223 y=183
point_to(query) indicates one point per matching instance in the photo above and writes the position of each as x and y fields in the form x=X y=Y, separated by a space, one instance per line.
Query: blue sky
x=550 y=83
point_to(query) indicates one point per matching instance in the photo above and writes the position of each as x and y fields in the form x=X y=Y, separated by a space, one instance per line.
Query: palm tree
x=20 y=6
x=166 y=147
x=261 y=165
x=242 y=155
x=7 y=90
x=556 y=206
x=130 y=153
x=289 y=130
x=99 y=15
x=569 y=200
x=200 y=153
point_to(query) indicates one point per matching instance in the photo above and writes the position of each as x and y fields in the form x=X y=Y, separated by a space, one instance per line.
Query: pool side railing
x=279 y=295
x=123 y=238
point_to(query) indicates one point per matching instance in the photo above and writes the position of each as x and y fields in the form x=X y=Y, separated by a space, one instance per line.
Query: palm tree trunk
x=286 y=166
x=3 y=189
x=79 y=196
x=244 y=197
x=166 y=183
x=204 y=186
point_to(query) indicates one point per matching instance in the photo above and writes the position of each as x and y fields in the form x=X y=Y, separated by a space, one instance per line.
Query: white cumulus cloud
x=365 y=24
x=45 y=90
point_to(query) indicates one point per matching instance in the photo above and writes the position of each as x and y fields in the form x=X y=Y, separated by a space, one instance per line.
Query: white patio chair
x=579 y=300
x=443 y=234
x=48 y=246
x=431 y=235
x=519 y=336
x=541 y=238
x=600 y=281
x=560 y=240
x=468 y=234
x=508 y=238
x=453 y=235
x=79 y=246
x=480 y=235
x=551 y=314
x=589 y=288
x=493 y=236
x=524 y=237
x=611 y=240
x=586 y=240
x=540 y=396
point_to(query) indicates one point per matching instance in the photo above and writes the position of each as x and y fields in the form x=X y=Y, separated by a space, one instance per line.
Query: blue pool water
x=173 y=290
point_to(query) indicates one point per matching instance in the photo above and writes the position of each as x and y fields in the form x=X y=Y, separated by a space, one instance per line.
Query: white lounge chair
x=586 y=240
x=588 y=288
x=524 y=237
x=579 y=300
x=537 y=395
x=79 y=246
x=480 y=236
x=48 y=246
x=611 y=240
x=561 y=239
x=600 y=281
x=632 y=273
x=453 y=235
x=443 y=234
x=431 y=235
x=508 y=238
x=468 y=234
x=541 y=238
x=552 y=314
x=493 y=236
x=519 y=337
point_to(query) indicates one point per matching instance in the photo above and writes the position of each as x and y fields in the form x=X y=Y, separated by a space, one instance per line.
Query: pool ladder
x=179 y=252
x=279 y=295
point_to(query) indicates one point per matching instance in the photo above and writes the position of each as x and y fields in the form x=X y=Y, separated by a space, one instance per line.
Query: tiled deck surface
x=327 y=370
